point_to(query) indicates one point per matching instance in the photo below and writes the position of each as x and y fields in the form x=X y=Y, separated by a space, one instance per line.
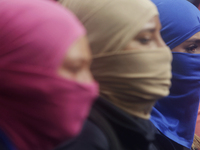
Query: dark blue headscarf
x=175 y=116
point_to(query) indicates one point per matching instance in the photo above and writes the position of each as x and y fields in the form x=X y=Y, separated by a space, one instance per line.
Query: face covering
x=182 y=101
x=132 y=80
x=175 y=116
x=42 y=105
x=38 y=108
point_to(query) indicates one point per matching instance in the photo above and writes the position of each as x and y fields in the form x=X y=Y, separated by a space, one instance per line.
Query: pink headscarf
x=39 y=109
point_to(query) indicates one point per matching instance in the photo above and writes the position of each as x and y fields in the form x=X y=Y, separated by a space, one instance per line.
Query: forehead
x=195 y=36
x=151 y=23
x=152 y=26
x=79 y=50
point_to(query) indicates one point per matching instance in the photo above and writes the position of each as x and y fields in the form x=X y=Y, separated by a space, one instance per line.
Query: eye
x=75 y=68
x=191 y=49
x=145 y=40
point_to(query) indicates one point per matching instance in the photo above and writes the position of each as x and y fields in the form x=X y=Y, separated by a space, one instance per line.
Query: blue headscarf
x=175 y=115
x=180 y=20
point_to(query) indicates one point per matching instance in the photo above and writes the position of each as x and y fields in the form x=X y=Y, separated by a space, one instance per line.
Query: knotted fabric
x=133 y=80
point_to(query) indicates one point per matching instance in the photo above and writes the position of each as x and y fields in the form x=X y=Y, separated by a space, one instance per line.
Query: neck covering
x=38 y=108
x=132 y=80
x=175 y=115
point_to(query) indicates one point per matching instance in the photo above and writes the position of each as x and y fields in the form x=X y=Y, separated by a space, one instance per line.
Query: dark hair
x=195 y=2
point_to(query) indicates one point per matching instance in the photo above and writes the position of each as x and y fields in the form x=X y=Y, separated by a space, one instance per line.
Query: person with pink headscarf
x=46 y=86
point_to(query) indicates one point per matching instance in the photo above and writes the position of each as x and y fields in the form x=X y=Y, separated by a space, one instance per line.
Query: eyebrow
x=85 y=60
x=193 y=40
x=149 y=30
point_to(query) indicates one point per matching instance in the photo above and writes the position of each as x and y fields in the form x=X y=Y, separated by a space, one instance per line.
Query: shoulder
x=92 y=134
x=90 y=138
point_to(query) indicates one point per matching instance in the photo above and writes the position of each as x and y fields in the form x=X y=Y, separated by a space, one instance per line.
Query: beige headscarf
x=131 y=80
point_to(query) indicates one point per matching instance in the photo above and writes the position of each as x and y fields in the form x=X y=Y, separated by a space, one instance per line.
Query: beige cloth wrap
x=132 y=80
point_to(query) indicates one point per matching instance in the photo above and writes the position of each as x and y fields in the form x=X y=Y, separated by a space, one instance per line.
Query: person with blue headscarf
x=175 y=115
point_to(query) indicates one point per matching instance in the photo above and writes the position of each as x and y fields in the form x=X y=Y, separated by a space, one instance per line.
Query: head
x=76 y=63
x=45 y=61
x=148 y=37
x=180 y=25
x=191 y=45
x=127 y=24
x=121 y=41
x=71 y=60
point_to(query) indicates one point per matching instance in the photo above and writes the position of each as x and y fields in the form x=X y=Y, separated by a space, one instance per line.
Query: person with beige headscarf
x=133 y=67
